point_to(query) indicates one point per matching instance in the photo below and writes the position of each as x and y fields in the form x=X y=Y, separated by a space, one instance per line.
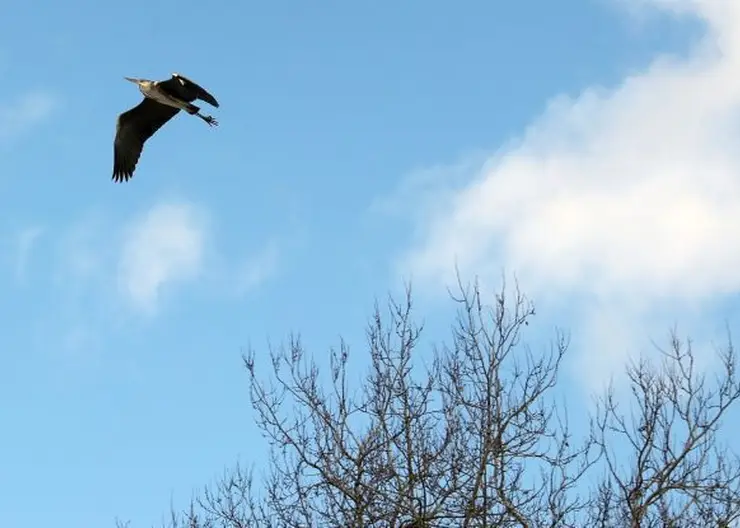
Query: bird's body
x=162 y=101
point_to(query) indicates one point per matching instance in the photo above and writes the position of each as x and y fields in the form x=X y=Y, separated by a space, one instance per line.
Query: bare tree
x=468 y=434
x=665 y=465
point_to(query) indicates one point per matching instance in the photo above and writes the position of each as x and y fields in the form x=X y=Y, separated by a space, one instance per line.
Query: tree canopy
x=471 y=435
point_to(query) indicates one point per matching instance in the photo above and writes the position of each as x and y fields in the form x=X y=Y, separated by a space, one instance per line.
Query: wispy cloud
x=108 y=270
x=84 y=250
x=258 y=268
x=629 y=194
x=18 y=116
x=164 y=246
x=25 y=242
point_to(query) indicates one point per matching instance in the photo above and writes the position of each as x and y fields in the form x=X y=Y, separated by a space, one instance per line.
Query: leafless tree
x=665 y=465
x=467 y=434
x=467 y=438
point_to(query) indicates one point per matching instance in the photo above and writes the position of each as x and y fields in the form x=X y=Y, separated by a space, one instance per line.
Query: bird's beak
x=135 y=81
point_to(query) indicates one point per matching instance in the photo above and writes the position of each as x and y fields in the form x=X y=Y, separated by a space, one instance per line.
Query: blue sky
x=341 y=166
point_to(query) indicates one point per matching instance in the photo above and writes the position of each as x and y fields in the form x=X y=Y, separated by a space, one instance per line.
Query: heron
x=162 y=101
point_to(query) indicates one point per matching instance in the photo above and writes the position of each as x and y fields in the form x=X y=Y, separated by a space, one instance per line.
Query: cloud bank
x=631 y=195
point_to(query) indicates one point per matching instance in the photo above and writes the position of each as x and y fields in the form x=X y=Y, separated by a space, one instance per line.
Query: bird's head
x=142 y=83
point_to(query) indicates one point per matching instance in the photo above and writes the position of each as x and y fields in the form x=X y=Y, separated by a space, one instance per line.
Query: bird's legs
x=191 y=109
x=208 y=119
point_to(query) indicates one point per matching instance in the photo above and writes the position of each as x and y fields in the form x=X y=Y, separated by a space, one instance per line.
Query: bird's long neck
x=146 y=87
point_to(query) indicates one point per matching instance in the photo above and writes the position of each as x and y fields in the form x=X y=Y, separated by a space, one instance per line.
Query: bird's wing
x=185 y=89
x=133 y=128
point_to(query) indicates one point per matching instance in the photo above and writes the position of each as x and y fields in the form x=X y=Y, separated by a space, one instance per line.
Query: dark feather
x=133 y=128
x=138 y=124
x=186 y=90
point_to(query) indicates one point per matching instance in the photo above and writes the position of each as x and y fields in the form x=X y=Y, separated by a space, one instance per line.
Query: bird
x=162 y=101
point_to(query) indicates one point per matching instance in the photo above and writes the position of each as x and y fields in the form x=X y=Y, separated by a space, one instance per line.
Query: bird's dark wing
x=186 y=90
x=133 y=128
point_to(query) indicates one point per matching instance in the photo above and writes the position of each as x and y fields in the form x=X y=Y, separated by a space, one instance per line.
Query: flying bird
x=162 y=101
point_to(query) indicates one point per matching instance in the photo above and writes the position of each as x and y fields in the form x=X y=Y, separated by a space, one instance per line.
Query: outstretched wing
x=133 y=128
x=186 y=90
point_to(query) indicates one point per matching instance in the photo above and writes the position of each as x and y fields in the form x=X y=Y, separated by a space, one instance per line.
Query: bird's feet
x=210 y=120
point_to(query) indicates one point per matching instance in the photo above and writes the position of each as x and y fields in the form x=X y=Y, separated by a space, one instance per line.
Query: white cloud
x=631 y=194
x=165 y=246
x=19 y=116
